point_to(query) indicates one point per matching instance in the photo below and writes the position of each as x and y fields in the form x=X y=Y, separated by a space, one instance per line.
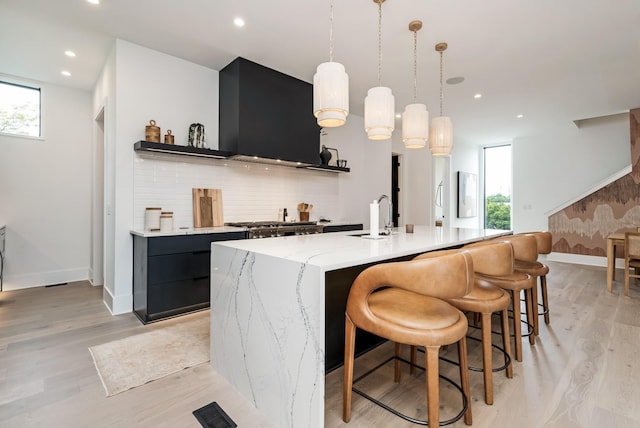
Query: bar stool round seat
x=409 y=309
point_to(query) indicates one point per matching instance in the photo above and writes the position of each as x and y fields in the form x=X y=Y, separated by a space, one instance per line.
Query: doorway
x=97 y=204
x=395 y=188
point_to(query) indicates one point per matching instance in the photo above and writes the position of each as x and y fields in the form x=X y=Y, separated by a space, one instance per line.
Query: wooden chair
x=410 y=310
x=631 y=258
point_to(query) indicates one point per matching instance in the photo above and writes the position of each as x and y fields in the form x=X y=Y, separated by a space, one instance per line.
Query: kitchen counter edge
x=189 y=231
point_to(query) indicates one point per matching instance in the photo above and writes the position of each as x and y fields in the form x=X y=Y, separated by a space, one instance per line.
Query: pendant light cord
x=379 y=42
x=331 y=32
x=440 y=83
x=415 y=65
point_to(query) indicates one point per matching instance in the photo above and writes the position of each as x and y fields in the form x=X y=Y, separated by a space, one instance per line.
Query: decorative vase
x=325 y=155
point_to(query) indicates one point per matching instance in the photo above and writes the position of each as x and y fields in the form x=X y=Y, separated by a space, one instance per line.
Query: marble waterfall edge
x=270 y=312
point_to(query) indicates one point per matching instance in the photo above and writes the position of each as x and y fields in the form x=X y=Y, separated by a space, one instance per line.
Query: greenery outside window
x=20 y=110
x=497 y=187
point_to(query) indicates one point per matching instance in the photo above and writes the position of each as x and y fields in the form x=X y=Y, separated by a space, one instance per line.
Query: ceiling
x=552 y=61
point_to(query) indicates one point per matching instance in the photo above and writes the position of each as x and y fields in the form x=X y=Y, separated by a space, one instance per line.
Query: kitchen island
x=278 y=303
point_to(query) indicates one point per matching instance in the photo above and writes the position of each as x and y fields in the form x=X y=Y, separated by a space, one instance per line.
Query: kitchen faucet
x=388 y=223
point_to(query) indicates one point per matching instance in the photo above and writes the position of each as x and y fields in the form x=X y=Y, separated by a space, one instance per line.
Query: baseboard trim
x=19 y=282
x=581 y=259
x=117 y=304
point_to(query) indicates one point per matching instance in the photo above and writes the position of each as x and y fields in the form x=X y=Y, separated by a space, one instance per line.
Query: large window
x=497 y=187
x=19 y=110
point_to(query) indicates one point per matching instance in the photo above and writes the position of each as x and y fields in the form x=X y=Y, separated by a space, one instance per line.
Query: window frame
x=27 y=85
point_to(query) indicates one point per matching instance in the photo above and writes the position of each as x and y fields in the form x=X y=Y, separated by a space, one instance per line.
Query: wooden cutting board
x=207 y=208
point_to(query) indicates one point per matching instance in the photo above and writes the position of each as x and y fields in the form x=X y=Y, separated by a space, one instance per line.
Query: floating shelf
x=148 y=146
x=328 y=168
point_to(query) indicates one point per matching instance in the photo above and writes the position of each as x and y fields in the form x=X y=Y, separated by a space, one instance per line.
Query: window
x=497 y=187
x=19 y=110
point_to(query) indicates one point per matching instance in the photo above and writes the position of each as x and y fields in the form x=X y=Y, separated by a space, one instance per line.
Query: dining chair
x=631 y=258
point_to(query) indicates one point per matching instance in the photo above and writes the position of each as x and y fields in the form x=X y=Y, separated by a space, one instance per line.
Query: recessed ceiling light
x=398 y=115
x=239 y=22
x=520 y=116
x=477 y=96
x=94 y=1
x=70 y=54
x=65 y=73
x=455 y=80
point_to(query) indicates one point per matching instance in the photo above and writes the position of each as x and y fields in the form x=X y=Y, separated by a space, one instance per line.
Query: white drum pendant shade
x=441 y=136
x=379 y=113
x=331 y=95
x=415 y=126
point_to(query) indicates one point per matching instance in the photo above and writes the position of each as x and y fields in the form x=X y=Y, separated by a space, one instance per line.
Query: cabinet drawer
x=170 y=296
x=188 y=243
x=176 y=267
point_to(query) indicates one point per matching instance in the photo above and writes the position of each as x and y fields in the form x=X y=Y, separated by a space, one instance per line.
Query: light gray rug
x=133 y=361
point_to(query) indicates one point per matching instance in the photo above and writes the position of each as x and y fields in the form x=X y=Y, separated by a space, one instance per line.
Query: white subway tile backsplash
x=250 y=191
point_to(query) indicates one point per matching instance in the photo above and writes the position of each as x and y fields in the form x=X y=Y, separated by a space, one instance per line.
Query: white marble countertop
x=189 y=231
x=338 y=250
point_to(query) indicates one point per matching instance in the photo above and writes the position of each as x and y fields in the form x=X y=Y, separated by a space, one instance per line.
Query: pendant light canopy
x=441 y=132
x=331 y=89
x=415 y=119
x=379 y=105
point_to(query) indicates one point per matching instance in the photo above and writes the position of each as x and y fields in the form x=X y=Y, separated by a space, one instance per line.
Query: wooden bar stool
x=411 y=311
x=516 y=283
x=539 y=270
x=485 y=299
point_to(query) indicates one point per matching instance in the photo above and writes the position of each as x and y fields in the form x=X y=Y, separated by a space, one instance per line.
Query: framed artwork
x=467 y=194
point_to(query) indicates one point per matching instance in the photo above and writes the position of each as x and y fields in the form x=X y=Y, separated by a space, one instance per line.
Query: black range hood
x=267 y=116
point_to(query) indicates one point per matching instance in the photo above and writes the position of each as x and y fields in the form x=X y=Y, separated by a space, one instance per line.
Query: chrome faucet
x=388 y=223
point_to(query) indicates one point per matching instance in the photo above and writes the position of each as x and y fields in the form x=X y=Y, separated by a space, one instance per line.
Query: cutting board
x=207 y=208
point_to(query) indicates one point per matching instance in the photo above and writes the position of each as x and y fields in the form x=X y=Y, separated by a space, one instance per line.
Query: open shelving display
x=148 y=146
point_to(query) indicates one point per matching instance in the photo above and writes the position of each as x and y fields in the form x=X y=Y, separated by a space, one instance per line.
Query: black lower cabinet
x=171 y=273
x=337 y=287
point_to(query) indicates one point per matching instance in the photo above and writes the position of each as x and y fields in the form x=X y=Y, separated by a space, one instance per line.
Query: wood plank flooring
x=584 y=370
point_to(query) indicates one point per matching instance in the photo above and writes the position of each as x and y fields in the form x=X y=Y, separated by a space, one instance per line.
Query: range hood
x=267 y=116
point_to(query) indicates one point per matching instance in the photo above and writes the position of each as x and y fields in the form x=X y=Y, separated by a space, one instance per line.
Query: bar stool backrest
x=544 y=241
x=446 y=277
x=492 y=259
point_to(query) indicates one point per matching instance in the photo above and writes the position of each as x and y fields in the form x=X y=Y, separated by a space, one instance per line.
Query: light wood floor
x=583 y=371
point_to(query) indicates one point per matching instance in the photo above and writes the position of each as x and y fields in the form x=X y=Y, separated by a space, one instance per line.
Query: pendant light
x=441 y=132
x=415 y=119
x=379 y=104
x=331 y=89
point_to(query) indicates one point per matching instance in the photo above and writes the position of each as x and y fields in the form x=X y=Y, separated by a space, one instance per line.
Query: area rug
x=133 y=361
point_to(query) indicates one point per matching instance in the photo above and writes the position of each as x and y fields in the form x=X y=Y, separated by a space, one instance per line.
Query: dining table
x=613 y=240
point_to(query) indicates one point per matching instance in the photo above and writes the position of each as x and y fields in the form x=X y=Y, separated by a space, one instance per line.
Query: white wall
x=175 y=93
x=550 y=170
x=464 y=157
x=45 y=194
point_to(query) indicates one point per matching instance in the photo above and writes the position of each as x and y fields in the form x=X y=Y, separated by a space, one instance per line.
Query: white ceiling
x=554 y=61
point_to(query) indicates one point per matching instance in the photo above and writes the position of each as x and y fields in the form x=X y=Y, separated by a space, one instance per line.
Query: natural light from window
x=19 y=110
x=497 y=187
